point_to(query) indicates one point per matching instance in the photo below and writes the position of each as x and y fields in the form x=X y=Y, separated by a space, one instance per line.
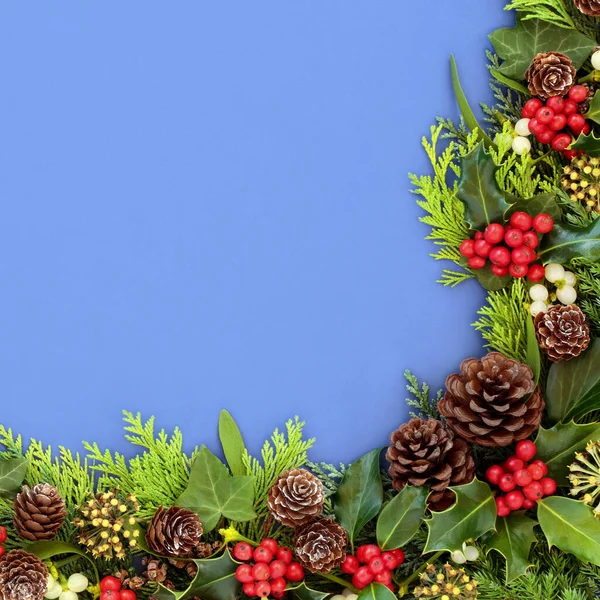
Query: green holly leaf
x=571 y=526
x=517 y=46
x=232 y=443
x=401 y=518
x=573 y=386
x=542 y=203
x=360 y=494
x=12 y=473
x=593 y=113
x=513 y=539
x=472 y=515
x=566 y=242
x=590 y=144
x=212 y=492
x=484 y=201
x=376 y=591
x=557 y=446
x=302 y=592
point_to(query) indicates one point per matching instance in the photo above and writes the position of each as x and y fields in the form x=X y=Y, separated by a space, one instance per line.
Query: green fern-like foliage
x=588 y=275
x=420 y=398
x=157 y=476
x=552 y=11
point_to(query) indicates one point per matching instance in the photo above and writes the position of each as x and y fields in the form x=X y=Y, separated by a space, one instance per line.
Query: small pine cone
x=428 y=453
x=39 y=512
x=588 y=7
x=23 y=576
x=174 y=532
x=320 y=545
x=129 y=582
x=562 y=332
x=206 y=549
x=191 y=569
x=156 y=571
x=550 y=74
x=296 y=498
x=493 y=401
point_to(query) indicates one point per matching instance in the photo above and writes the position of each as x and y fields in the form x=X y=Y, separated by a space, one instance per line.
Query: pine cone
x=129 y=581
x=39 y=512
x=493 y=401
x=550 y=74
x=428 y=453
x=296 y=498
x=156 y=571
x=588 y=7
x=23 y=576
x=562 y=332
x=320 y=545
x=174 y=532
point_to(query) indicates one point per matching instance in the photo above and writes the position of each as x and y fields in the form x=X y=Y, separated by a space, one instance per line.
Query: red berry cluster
x=510 y=248
x=556 y=121
x=110 y=589
x=266 y=569
x=371 y=564
x=2 y=540
x=515 y=473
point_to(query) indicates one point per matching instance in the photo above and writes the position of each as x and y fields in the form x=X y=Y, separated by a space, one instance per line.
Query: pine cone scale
x=591 y=8
x=562 y=332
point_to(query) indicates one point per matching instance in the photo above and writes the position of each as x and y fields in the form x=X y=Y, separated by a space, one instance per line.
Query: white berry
x=521 y=145
x=537 y=307
x=338 y=597
x=554 y=272
x=596 y=60
x=54 y=592
x=68 y=595
x=570 y=278
x=522 y=127
x=566 y=294
x=538 y=292
x=347 y=592
x=77 y=583
x=458 y=557
x=470 y=552
x=351 y=597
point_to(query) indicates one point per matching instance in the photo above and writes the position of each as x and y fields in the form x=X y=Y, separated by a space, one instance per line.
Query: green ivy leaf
x=517 y=46
x=302 y=592
x=573 y=386
x=401 y=518
x=557 y=446
x=571 y=526
x=472 y=515
x=12 y=473
x=533 y=350
x=513 y=539
x=360 y=494
x=376 y=591
x=484 y=201
x=212 y=492
x=590 y=144
x=593 y=113
x=232 y=443
x=566 y=242
x=52 y=548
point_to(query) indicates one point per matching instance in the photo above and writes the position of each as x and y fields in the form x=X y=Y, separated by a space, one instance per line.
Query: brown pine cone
x=588 y=7
x=23 y=576
x=562 y=332
x=428 y=453
x=156 y=570
x=296 y=498
x=550 y=74
x=206 y=549
x=39 y=512
x=493 y=401
x=130 y=582
x=174 y=532
x=320 y=545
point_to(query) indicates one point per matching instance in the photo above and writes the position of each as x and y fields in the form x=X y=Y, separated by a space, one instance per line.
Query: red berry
x=544 y=115
x=558 y=122
x=262 y=555
x=522 y=255
x=548 y=486
x=514 y=464
x=533 y=491
x=242 y=551
x=478 y=235
x=390 y=560
x=362 y=577
x=561 y=142
x=2 y=551
x=244 y=573
x=128 y=595
x=271 y=544
x=384 y=577
x=482 y=248
x=110 y=595
x=531 y=107
x=467 y=248
x=523 y=477
x=494 y=233
x=525 y=450
x=366 y=552
x=2 y=534
x=528 y=504
x=556 y=103
x=278 y=595
x=249 y=589
x=543 y=223
x=277 y=569
x=278 y=584
x=350 y=564
x=262 y=589
x=536 y=127
x=518 y=271
x=501 y=507
x=542 y=465
x=514 y=500
x=513 y=238
x=586 y=128
x=294 y=572
x=536 y=273
x=570 y=107
x=110 y=583
x=500 y=255
x=494 y=473
x=376 y=565
x=530 y=239
x=521 y=220
x=499 y=271
x=284 y=554
x=261 y=572
x=507 y=483
x=536 y=471
x=576 y=123
x=399 y=555
x=546 y=137
x=578 y=93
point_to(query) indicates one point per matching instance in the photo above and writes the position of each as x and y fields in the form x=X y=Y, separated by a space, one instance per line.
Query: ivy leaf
x=571 y=526
x=302 y=592
x=376 y=591
x=212 y=492
x=232 y=443
x=513 y=539
x=557 y=446
x=517 y=46
x=533 y=350
x=401 y=518
x=473 y=514
x=573 y=386
x=590 y=144
x=50 y=549
x=484 y=201
x=593 y=113
x=12 y=473
x=360 y=494
x=566 y=242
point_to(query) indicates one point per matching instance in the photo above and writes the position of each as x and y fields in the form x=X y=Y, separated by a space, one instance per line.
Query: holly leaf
x=542 y=203
x=573 y=386
x=570 y=525
x=12 y=473
x=232 y=443
x=593 y=113
x=484 y=201
x=472 y=515
x=557 y=446
x=566 y=242
x=360 y=494
x=513 y=539
x=488 y=280
x=302 y=592
x=376 y=591
x=590 y=144
x=401 y=518
x=517 y=46
x=533 y=350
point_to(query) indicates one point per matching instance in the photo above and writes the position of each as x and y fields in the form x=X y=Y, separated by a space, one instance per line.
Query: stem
x=66 y=561
x=339 y=581
x=592 y=77
x=403 y=585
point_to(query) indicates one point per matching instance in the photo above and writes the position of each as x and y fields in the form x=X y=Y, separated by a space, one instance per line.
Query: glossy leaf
x=570 y=526
x=590 y=144
x=12 y=473
x=593 y=113
x=401 y=518
x=376 y=591
x=513 y=539
x=542 y=203
x=472 y=515
x=533 y=350
x=573 y=386
x=360 y=494
x=510 y=83
x=50 y=549
x=557 y=446
x=488 y=280
x=232 y=443
x=484 y=201
x=302 y=592
x=517 y=46
x=565 y=242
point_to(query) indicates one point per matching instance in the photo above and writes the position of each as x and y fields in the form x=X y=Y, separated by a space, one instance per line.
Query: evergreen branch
x=551 y=11
x=588 y=275
x=427 y=407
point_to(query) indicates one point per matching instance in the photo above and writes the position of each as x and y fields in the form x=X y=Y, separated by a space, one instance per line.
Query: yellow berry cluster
x=581 y=182
x=107 y=523
x=585 y=476
x=448 y=583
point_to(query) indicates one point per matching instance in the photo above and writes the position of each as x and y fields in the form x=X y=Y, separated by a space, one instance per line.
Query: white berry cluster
x=521 y=143
x=345 y=595
x=460 y=557
x=76 y=584
x=565 y=293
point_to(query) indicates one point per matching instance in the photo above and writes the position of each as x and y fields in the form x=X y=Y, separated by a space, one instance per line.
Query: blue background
x=206 y=205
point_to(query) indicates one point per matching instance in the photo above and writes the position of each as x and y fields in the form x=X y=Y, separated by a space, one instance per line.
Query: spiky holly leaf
x=303 y=592
x=566 y=242
x=376 y=591
x=593 y=113
x=542 y=203
x=590 y=144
